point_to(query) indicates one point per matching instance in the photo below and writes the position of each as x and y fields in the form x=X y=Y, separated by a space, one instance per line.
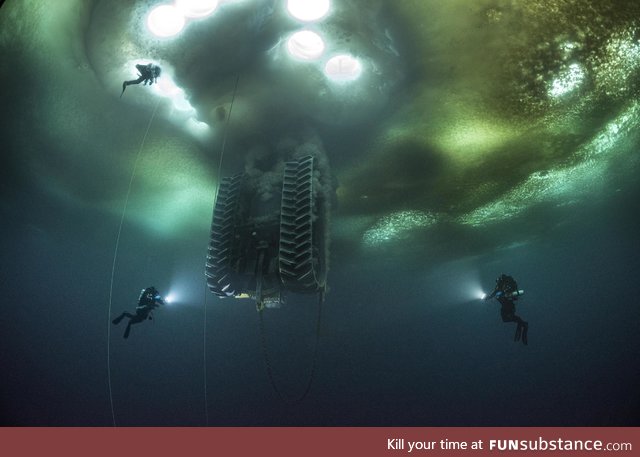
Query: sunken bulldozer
x=270 y=239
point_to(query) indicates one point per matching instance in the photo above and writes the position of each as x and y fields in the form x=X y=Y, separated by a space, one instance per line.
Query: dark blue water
x=403 y=339
x=398 y=346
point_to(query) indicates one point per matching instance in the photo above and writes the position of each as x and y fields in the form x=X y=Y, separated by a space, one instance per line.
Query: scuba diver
x=506 y=292
x=148 y=75
x=149 y=300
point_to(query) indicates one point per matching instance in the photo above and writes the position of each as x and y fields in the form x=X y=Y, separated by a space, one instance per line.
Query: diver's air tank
x=515 y=294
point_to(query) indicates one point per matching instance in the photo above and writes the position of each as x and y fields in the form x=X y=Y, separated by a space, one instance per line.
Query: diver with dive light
x=506 y=292
x=149 y=300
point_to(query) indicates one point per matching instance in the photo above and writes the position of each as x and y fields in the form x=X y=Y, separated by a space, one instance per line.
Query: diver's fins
x=126 y=332
x=117 y=320
x=124 y=86
x=518 y=333
x=525 y=330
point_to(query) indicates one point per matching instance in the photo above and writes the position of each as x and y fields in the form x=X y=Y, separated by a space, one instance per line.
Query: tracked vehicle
x=265 y=244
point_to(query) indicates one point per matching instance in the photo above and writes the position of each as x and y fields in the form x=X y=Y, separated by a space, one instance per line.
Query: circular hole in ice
x=165 y=21
x=305 y=45
x=308 y=10
x=197 y=8
x=343 y=68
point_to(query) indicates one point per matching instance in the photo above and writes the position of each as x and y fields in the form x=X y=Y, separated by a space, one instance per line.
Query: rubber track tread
x=296 y=227
x=217 y=267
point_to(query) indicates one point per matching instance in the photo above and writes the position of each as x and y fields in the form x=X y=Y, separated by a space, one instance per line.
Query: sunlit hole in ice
x=305 y=45
x=196 y=8
x=165 y=21
x=343 y=68
x=308 y=10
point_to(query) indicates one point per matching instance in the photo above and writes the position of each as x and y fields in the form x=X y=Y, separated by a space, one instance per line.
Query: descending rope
x=224 y=137
x=115 y=257
x=314 y=361
x=204 y=329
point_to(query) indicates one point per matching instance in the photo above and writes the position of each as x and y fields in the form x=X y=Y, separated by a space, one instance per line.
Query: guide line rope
x=204 y=325
x=115 y=256
x=267 y=360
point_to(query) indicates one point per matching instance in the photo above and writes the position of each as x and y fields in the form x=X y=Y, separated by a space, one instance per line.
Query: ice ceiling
x=460 y=114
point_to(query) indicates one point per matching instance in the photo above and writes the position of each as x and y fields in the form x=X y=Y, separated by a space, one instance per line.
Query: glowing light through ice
x=165 y=21
x=343 y=67
x=308 y=10
x=566 y=185
x=397 y=226
x=196 y=8
x=182 y=112
x=196 y=127
x=182 y=104
x=305 y=45
x=167 y=87
x=567 y=81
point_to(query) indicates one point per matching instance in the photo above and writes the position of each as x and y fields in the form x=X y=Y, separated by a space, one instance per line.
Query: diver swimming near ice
x=506 y=292
x=149 y=300
x=148 y=75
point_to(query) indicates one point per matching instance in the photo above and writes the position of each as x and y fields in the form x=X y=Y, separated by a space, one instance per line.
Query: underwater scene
x=320 y=213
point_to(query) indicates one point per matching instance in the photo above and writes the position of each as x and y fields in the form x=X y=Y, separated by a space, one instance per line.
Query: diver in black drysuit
x=149 y=300
x=505 y=287
x=148 y=75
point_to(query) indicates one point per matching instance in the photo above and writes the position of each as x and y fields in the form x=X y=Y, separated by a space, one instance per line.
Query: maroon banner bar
x=318 y=441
